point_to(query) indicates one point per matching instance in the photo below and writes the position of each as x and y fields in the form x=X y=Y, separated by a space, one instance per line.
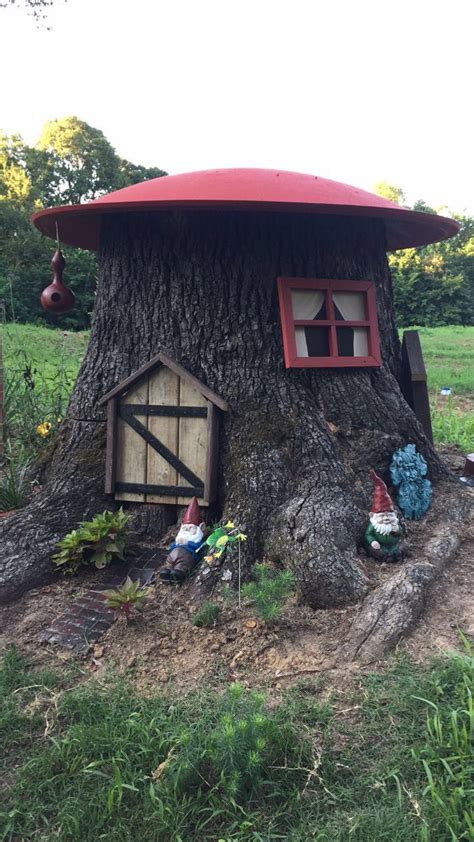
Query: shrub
x=207 y=615
x=96 y=542
x=269 y=591
x=130 y=596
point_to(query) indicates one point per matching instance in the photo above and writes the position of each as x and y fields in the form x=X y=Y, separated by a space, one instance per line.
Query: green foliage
x=433 y=285
x=452 y=425
x=449 y=357
x=80 y=164
x=36 y=387
x=390 y=192
x=269 y=591
x=448 y=761
x=126 y=598
x=212 y=766
x=14 y=485
x=118 y=765
x=96 y=542
x=233 y=756
x=207 y=615
x=72 y=162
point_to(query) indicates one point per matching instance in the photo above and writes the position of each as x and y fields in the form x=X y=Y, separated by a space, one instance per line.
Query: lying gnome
x=383 y=538
x=183 y=553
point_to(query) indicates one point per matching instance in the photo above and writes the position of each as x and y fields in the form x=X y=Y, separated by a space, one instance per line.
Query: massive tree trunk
x=297 y=444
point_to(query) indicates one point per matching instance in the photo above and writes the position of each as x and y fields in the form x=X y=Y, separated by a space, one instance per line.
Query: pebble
x=180 y=650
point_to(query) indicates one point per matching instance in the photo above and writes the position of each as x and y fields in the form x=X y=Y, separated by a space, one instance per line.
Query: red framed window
x=328 y=323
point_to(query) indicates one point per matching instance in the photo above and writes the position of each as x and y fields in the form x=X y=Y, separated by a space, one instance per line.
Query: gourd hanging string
x=57 y=235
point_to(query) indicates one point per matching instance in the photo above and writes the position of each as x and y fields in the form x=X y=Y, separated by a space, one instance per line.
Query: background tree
x=390 y=192
x=72 y=162
x=433 y=285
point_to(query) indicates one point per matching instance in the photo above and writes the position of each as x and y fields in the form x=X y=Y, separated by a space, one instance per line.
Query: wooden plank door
x=163 y=390
x=132 y=448
x=192 y=440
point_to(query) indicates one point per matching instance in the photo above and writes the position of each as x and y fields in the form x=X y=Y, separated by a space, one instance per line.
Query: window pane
x=352 y=341
x=312 y=341
x=349 y=306
x=308 y=303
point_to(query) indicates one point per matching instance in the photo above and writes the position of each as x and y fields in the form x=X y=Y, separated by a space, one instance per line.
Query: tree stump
x=297 y=444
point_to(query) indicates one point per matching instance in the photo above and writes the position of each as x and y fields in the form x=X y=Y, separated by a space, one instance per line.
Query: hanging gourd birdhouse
x=57 y=298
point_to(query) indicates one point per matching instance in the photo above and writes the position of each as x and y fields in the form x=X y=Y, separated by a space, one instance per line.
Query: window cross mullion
x=332 y=327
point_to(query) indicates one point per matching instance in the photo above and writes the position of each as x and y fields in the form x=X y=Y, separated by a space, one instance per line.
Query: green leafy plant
x=207 y=615
x=14 y=486
x=96 y=542
x=269 y=591
x=130 y=596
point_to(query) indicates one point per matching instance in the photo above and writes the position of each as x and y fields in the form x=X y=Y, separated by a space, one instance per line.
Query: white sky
x=355 y=90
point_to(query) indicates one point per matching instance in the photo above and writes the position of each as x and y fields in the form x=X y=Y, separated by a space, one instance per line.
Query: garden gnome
x=183 y=552
x=383 y=538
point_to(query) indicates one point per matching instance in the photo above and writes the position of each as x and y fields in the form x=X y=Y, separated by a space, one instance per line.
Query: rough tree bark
x=297 y=444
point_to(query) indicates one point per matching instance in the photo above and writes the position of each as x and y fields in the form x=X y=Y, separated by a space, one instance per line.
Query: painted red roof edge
x=244 y=190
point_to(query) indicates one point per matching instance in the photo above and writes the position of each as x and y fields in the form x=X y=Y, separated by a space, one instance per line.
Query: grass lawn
x=45 y=349
x=52 y=358
x=387 y=756
x=389 y=759
x=449 y=358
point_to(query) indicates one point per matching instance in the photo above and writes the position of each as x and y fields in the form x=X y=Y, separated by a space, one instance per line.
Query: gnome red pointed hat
x=381 y=501
x=193 y=513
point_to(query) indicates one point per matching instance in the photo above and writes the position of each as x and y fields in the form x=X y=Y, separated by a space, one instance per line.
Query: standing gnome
x=183 y=553
x=383 y=538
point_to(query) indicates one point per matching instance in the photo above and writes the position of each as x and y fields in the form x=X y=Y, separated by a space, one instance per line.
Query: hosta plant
x=96 y=542
x=124 y=599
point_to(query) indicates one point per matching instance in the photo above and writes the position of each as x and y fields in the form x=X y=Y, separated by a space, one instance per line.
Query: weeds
x=207 y=615
x=269 y=591
x=39 y=376
x=14 y=485
x=448 y=762
x=452 y=425
x=115 y=765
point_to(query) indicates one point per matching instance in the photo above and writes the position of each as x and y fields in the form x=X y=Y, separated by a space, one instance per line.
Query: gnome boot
x=179 y=564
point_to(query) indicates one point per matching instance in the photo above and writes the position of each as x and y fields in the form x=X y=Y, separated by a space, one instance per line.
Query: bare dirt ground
x=163 y=649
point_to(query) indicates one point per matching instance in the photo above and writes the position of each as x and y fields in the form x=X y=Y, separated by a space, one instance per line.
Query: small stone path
x=88 y=617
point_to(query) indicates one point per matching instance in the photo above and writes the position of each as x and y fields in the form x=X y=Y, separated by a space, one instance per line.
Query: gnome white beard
x=384 y=522
x=189 y=532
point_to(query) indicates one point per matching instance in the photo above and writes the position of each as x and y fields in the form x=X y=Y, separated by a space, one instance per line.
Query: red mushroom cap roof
x=245 y=189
